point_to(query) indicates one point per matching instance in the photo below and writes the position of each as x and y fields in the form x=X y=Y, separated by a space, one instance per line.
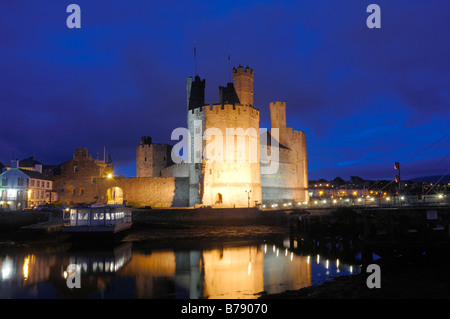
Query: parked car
x=145 y=207
x=203 y=206
x=45 y=207
x=63 y=208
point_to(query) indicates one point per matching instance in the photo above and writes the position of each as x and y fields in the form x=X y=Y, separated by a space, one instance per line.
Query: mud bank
x=425 y=278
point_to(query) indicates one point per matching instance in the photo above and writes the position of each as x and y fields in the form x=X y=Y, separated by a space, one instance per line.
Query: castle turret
x=151 y=158
x=228 y=94
x=278 y=120
x=195 y=92
x=243 y=84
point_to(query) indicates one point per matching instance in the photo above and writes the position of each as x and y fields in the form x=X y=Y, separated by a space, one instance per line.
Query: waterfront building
x=21 y=188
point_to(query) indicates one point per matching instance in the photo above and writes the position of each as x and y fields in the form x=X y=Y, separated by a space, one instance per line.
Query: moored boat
x=97 y=220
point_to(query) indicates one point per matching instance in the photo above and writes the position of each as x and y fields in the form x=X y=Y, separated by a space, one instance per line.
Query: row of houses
x=22 y=186
x=28 y=183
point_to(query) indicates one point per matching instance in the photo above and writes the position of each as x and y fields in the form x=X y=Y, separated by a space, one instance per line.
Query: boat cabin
x=106 y=218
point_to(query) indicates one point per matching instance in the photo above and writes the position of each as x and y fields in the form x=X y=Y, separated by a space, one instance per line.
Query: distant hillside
x=431 y=179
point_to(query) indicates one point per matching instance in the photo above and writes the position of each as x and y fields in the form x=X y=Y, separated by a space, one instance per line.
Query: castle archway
x=114 y=195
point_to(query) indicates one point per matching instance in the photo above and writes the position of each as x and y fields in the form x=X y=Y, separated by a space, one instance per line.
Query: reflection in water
x=120 y=272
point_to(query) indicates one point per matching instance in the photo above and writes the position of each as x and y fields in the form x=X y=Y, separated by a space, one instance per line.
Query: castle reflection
x=228 y=272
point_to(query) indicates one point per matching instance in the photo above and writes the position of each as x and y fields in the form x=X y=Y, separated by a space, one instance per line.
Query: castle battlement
x=155 y=145
x=199 y=109
x=244 y=71
x=232 y=109
x=295 y=133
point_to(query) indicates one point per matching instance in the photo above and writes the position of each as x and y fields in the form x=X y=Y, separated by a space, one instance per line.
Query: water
x=223 y=269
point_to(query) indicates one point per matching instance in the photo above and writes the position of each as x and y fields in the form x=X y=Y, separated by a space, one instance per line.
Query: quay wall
x=15 y=220
x=211 y=216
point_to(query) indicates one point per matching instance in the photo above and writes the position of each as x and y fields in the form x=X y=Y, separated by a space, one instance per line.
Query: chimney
x=38 y=168
x=15 y=164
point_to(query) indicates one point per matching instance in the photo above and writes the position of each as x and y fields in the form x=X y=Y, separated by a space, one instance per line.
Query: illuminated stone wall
x=83 y=180
x=139 y=191
x=230 y=165
x=229 y=179
x=291 y=180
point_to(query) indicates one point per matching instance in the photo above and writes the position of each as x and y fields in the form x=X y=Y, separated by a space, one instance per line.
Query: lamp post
x=248 y=191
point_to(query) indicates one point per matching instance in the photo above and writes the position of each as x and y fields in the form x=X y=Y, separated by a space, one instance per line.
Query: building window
x=5 y=181
x=38 y=183
x=75 y=169
x=48 y=184
x=20 y=181
x=32 y=182
x=94 y=180
x=74 y=191
x=81 y=192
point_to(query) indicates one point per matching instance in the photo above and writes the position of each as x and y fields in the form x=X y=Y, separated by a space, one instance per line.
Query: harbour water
x=176 y=269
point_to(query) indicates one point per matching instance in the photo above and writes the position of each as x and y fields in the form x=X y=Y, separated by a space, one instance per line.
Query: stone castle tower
x=230 y=174
x=152 y=158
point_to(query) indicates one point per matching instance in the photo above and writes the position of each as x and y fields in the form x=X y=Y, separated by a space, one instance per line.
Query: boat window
x=107 y=216
x=73 y=216
x=82 y=216
x=119 y=215
x=100 y=216
x=95 y=216
x=112 y=216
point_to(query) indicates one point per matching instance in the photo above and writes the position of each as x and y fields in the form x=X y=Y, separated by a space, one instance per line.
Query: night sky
x=364 y=97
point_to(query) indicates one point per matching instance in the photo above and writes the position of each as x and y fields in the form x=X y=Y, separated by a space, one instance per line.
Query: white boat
x=98 y=219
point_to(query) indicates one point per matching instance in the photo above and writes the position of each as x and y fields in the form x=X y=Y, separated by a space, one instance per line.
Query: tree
x=356 y=180
x=338 y=181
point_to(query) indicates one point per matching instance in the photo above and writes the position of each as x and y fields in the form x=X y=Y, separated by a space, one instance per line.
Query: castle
x=240 y=178
x=227 y=159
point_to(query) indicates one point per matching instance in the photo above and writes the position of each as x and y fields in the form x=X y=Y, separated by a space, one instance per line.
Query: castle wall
x=223 y=177
x=176 y=170
x=291 y=180
x=285 y=184
x=85 y=181
x=140 y=191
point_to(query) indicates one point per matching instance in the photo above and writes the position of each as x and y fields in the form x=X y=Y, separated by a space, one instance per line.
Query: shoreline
x=422 y=278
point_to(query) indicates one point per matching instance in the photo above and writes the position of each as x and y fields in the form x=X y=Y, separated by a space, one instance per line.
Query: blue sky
x=364 y=97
